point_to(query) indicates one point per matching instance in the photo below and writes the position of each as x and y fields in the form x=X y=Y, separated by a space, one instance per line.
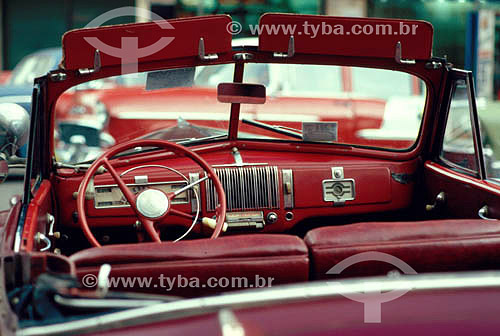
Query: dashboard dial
x=110 y=196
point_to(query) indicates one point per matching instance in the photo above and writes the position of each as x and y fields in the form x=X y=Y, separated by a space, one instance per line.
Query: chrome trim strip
x=287 y=180
x=18 y=238
x=243 y=164
x=154 y=166
x=141 y=184
x=267 y=296
x=102 y=303
x=196 y=189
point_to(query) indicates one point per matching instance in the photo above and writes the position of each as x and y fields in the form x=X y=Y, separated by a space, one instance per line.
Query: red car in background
x=5 y=76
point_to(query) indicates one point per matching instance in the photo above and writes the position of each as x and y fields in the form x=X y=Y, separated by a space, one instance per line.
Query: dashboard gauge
x=110 y=196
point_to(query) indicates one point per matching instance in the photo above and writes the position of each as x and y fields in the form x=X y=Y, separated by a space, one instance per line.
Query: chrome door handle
x=483 y=213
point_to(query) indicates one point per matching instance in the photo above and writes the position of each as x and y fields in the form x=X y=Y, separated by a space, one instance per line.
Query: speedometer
x=110 y=196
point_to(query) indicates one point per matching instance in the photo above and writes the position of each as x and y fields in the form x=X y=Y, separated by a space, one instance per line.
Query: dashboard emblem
x=338 y=189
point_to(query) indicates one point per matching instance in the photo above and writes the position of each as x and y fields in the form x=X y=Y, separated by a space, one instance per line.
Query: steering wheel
x=151 y=205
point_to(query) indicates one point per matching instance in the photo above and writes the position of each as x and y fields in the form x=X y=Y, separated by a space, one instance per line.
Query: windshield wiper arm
x=182 y=142
x=277 y=129
x=140 y=150
x=193 y=140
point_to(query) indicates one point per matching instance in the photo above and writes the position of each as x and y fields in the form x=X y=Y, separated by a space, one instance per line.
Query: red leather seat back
x=426 y=246
x=197 y=267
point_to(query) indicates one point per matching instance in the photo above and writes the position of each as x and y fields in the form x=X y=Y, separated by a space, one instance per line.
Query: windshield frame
x=432 y=80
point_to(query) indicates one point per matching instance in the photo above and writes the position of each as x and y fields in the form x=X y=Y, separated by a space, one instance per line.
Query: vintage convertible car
x=160 y=234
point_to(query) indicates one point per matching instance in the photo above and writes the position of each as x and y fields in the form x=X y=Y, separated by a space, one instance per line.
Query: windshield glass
x=310 y=103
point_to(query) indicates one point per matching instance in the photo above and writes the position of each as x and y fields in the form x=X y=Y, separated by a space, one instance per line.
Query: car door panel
x=457 y=168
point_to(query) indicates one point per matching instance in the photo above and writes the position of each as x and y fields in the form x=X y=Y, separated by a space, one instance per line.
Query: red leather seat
x=427 y=246
x=252 y=257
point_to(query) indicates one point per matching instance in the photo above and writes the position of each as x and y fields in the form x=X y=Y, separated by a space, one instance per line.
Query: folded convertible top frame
x=266 y=297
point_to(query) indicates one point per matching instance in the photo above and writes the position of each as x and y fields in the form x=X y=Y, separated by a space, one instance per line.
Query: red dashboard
x=266 y=190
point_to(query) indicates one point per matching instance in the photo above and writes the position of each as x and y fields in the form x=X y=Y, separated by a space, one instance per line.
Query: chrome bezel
x=174 y=201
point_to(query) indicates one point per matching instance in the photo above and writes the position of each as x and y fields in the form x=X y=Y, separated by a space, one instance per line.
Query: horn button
x=152 y=203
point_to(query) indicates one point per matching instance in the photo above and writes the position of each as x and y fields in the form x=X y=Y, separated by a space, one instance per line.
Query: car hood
x=9 y=90
x=184 y=130
x=16 y=94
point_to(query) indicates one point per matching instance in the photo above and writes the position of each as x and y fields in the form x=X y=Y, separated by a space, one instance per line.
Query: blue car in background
x=19 y=87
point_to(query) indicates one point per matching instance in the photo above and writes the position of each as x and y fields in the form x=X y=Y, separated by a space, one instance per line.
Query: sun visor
x=145 y=42
x=365 y=37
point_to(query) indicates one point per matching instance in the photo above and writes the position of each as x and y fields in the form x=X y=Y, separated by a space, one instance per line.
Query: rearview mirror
x=241 y=93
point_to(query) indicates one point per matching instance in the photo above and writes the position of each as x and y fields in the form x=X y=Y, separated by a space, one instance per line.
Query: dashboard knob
x=271 y=217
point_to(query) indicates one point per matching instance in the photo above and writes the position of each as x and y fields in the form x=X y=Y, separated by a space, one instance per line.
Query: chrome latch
x=51 y=221
x=290 y=52
x=338 y=189
x=398 y=56
x=40 y=239
x=201 y=52
x=97 y=65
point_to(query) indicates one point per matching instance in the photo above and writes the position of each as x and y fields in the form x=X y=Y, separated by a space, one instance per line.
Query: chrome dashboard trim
x=139 y=182
x=184 y=183
x=332 y=196
x=153 y=166
x=243 y=164
x=193 y=177
x=141 y=179
x=246 y=188
x=338 y=185
x=288 y=188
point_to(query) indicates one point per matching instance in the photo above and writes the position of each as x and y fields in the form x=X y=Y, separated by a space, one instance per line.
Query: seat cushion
x=426 y=246
x=252 y=257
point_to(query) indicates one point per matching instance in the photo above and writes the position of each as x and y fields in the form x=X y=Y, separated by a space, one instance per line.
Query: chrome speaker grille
x=246 y=188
